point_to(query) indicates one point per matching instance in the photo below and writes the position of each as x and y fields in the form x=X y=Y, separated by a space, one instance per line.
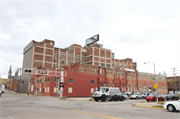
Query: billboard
x=92 y=39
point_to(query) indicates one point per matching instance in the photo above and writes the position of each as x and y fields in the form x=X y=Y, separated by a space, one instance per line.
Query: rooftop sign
x=92 y=39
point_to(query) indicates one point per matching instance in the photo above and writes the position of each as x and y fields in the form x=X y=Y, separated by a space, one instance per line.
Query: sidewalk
x=147 y=105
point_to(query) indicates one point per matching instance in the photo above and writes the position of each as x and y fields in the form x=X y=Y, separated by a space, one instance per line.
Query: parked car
x=152 y=97
x=127 y=92
x=137 y=96
x=172 y=97
x=118 y=97
x=125 y=95
x=172 y=106
x=141 y=96
x=163 y=95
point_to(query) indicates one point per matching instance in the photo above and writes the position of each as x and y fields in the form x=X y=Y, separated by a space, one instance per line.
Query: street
x=22 y=106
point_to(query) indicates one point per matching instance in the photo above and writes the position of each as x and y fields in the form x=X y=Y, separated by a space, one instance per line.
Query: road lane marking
x=96 y=114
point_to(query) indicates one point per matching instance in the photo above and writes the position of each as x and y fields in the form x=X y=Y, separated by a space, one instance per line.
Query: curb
x=147 y=107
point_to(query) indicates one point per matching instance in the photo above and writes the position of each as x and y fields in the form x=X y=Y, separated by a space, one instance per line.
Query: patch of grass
x=159 y=106
x=63 y=98
x=161 y=103
x=91 y=99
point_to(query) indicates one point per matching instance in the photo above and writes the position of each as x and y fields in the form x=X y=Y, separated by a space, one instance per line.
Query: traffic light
x=27 y=71
x=61 y=85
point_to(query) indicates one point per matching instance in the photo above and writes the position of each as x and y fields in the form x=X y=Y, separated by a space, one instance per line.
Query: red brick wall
x=108 y=54
x=96 y=59
x=37 y=64
x=39 y=44
x=108 y=61
x=39 y=50
x=77 y=49
x=49 y=51
x=89 y=51
x=48 y=58
x=38 y=57
x=48 y=41
x=96 y=51
x=102 y=53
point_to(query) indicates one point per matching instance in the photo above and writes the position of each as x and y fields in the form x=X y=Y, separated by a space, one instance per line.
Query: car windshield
x=135 y=94
x=102 y=89
x=151 y=95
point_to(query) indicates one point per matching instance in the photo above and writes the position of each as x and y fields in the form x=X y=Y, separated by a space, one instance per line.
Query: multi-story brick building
x=45 y=55
x=173 y=83
x=99 y=62
x=82 y=80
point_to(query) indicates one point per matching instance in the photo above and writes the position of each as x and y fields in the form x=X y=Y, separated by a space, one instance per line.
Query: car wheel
x=103 y=98
x=147 y=100
x=116 y=98
x=171 y=108
x=142 y=97
x=136 y=98
x=96 y=100
x=167 y=99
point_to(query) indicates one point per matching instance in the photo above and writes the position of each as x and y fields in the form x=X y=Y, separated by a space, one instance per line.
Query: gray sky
x=144 y=30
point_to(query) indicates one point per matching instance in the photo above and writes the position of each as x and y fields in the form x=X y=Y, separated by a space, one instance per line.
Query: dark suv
x=172 y=97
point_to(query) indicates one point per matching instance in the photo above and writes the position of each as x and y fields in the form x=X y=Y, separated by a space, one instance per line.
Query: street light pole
x=155 y=79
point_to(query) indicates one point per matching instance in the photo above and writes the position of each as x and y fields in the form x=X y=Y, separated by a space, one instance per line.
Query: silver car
x=137 y=96
x=134 y=96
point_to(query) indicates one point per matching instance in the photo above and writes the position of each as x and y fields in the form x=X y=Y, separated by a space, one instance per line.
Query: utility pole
x=174 y=73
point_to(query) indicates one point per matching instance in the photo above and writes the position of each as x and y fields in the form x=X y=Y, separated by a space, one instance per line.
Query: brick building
x=44 y=54
x=173 y=84
x=99 y=62
x=82 y=80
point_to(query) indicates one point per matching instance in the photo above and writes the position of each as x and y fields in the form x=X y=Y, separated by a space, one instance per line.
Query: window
x=121 y=73
x=77 y=57
x=116 y=63
x=56 y=79
x=112 y=56
x=48 y=79
x=63 y=61
x=92 y=70
x=70 y=80
x=101 y=71
x=92 y=81
x=102 y=53
x=92 y=90
x=84 y=58
x=95 y=70
x=70 y=62
x=70 y=56
x=102 y=64
x=117 y=73
x=108 y=65
x=75 y=69
x=83 y=68
x=108 y=54
x=86 y=69
x=69 y=90
x=63 y=55
x=121 y=64
x=112 y=63
x=125 y=65
x=108 y=71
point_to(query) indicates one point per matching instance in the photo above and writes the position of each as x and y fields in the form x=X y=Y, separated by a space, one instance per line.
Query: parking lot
x=19 y=106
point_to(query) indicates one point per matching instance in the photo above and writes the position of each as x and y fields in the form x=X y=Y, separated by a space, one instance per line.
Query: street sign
x=153 y=79
x=20 y=86
x=155 y=86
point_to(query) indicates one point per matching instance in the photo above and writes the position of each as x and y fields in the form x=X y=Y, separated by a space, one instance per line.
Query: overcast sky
x=144 y=30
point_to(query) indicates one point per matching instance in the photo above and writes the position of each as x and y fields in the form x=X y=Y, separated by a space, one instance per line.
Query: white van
x=2 y=88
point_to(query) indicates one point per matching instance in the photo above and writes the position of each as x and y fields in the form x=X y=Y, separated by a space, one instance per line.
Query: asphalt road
x=19 y=106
